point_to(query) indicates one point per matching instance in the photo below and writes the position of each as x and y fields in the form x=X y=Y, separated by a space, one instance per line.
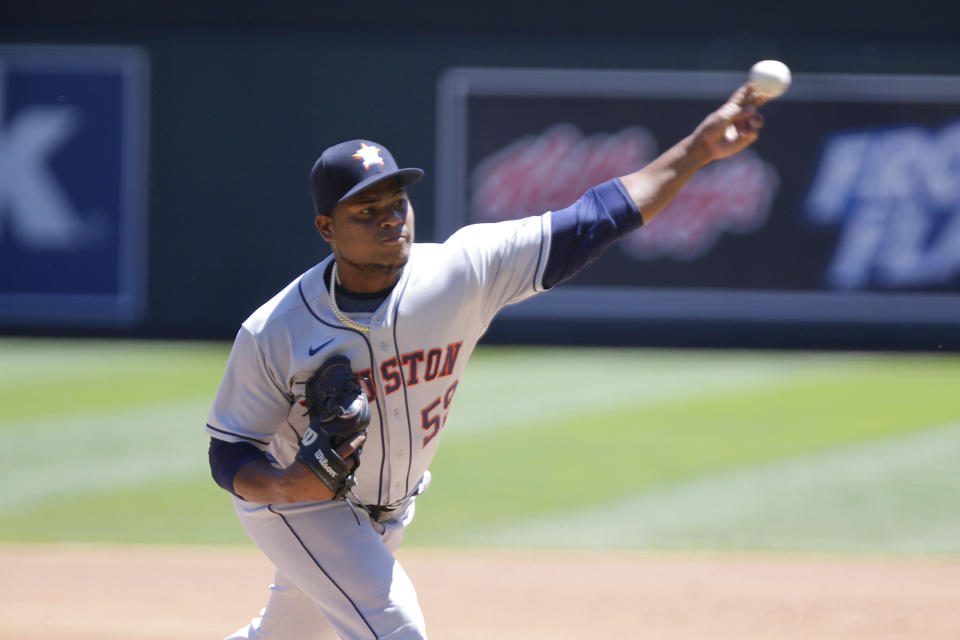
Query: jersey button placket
x=391 y=415
x=400 y=459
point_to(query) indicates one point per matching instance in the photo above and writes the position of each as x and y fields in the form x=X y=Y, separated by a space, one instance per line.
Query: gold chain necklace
x=347 y=322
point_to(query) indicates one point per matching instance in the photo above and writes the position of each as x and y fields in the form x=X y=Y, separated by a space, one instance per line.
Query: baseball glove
x=338 y=411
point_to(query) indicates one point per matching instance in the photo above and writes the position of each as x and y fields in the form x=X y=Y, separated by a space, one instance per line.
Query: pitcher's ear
x=323 y=226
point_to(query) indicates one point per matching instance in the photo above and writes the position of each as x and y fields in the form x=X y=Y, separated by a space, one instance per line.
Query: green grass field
x=617 y=448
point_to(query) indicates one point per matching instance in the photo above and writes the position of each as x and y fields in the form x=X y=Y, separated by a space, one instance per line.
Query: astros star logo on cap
x=369 y=155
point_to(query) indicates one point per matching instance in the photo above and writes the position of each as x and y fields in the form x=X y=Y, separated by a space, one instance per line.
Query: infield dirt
x=190 y=593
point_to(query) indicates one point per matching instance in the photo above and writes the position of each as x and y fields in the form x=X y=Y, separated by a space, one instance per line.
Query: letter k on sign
x=32 y=201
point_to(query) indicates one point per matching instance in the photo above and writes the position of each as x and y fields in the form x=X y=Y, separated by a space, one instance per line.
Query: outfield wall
x=237 y=107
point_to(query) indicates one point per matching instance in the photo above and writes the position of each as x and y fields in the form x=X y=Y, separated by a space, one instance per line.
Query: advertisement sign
x=846 y=210
x=73 y=154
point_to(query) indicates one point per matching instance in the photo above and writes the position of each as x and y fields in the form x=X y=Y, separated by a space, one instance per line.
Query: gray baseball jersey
x=334 y=573
x=411 y=360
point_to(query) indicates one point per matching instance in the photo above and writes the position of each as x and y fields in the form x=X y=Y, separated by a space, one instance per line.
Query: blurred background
x=156 y=158
x=792 y=324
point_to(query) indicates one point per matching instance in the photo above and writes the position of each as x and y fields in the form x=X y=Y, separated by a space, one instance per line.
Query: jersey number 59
x=432 y=420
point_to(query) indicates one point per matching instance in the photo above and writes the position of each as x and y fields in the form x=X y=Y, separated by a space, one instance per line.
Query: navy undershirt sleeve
x=226 y=458
x=582 y=231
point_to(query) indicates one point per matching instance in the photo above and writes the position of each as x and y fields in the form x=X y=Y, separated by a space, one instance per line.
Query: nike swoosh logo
x=313 y=350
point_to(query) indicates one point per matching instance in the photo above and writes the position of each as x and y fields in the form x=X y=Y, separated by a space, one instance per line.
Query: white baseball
x=770 y=78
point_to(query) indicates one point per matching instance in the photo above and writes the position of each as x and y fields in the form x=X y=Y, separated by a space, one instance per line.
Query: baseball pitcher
x=337 y=390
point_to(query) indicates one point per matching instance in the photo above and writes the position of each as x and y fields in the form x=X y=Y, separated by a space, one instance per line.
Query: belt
x=372 y=510
x=376 y=510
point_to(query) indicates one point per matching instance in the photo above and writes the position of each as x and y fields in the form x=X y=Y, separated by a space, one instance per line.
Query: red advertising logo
x=550 y=171
x=731 y=195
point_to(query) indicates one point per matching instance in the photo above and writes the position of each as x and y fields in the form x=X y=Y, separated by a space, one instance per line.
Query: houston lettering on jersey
x=413 y=367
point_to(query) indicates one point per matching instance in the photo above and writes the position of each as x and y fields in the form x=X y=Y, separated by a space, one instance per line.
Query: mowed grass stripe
x=184 y=509
x=647 y=418
x=896 y=495
x=505 y=389
x=602 y=456
x=99 y=452
x=41 y=378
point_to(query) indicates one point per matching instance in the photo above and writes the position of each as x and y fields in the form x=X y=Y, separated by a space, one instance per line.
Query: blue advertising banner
x=846 y=210
x=73 y=156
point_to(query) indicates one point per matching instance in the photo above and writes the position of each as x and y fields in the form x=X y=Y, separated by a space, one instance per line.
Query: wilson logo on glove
x=339 y=412
x=322 y=459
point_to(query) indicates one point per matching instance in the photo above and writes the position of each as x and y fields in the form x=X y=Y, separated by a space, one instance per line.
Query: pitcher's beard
x=378 y=269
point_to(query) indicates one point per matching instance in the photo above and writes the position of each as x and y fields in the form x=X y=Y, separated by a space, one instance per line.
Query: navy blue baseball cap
x=348 y=168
